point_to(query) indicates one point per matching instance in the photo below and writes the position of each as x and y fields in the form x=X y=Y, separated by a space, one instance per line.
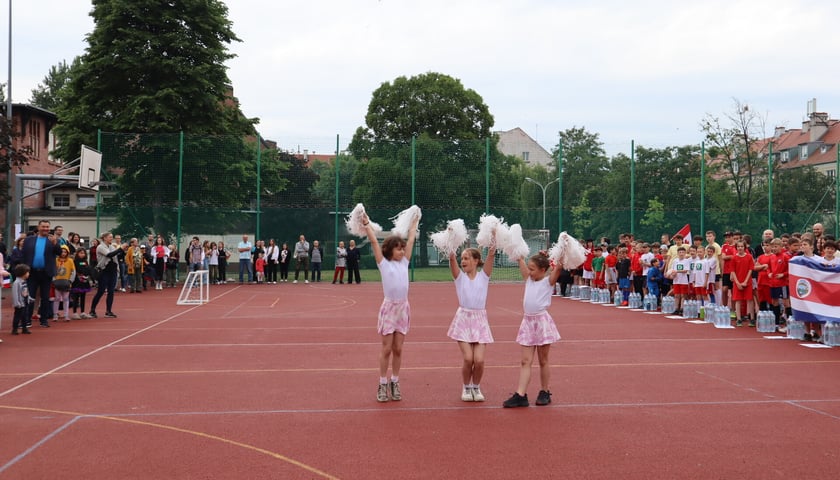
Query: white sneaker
x=467 y=395
x=306 y=281
x=477 y=395
x=295 y=281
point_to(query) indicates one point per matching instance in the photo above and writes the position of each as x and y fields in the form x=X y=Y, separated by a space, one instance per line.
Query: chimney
x=779 y=132
x=818 y=125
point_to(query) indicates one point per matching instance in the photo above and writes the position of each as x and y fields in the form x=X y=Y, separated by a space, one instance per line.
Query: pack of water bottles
x=604 y=296
x=831 y=334
x=691 y=309
x=669 y=304
x=575 y=291
x=585 y=292
x=635 y=300
x=795 y=329
x=766 y=322
x=617 y=298
x=722 y=316
x=649 y=303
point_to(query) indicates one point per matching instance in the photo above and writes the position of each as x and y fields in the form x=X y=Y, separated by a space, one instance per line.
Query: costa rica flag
x=814 y=289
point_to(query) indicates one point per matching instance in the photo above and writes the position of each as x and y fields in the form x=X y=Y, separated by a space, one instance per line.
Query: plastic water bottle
x=831 y=334
x=795 y=329
x=766 y=322
x=617 y=298
x=652 y=302
x=605 y=296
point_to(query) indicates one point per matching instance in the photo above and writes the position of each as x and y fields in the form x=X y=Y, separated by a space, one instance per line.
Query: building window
x=85 y=201
x=61 y=200
x=525 y=155
x=785 y=156
x=830 y=173
x=823 y=148
x=803 y=152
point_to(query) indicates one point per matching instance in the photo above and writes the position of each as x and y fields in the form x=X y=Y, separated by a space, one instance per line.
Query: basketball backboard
x=89 y=167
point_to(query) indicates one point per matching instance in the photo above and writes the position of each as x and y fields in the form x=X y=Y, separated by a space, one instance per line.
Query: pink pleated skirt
x=470 y=326
x=394 y=316
x=537 y=329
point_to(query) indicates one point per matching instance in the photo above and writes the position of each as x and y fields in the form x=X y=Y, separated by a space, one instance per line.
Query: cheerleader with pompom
x=470 y=327
x=537 y=331
x=392 y=260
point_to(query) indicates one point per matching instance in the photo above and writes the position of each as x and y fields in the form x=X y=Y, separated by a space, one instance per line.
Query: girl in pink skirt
x=392 y=260
x=470 y=327
x=537 y=331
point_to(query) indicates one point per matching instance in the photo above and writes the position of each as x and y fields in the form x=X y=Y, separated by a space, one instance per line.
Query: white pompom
x=516 y=247
x=404 y=220
x=574 y=254
x=356 y=224
x=557 y=251
x=487 y=227
x=449 y=240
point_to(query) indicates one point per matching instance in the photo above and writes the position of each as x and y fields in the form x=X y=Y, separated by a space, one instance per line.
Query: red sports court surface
x=279 y=381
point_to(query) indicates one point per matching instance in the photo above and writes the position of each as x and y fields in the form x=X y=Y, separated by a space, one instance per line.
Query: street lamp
x=542 y=187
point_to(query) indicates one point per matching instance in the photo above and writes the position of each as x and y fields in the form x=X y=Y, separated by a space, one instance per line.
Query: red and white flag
x=686 y=233
x=814 y=290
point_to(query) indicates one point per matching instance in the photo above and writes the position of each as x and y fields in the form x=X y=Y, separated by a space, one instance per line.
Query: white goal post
x=196 y=289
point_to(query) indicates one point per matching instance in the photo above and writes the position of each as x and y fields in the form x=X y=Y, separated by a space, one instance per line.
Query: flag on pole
x=7 y=282
x=814 y=289
x=686 y=233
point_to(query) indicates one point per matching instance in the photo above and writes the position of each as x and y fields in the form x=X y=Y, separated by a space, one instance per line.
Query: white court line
x=38 y=444
x=99 y=349
x=484 y=406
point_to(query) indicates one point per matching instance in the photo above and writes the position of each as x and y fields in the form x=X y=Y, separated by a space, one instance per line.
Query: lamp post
x=542 y=187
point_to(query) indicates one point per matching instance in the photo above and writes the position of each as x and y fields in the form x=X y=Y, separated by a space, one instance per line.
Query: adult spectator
x=354 y=257
x=767 y=235
x=122 y=270
x=244 y=248
x=302 y=259
x=317 y=256
x=272 y=257
x=39 y=252
x=74 y=241
x=2 y=246
x=106 y=263
x=58 y=231
x=224 y=255
x=819 y=238
x=285 y=258
x=160 y=254
x=195 y=255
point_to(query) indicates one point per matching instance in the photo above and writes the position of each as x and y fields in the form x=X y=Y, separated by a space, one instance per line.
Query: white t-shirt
x=472 y=294
x=537 y=295
x=683 y=269
x=394 y=279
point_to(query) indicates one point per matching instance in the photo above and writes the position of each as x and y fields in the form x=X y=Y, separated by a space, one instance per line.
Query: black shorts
x=779 y=292
x=727 y=281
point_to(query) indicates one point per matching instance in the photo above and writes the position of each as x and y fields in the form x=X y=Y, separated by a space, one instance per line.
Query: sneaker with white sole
x=467 y=394
x=382 y=393
x=477 y=395
x=394 y=390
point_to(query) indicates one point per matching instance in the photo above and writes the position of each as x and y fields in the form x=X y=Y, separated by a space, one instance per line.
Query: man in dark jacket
x=39 y=252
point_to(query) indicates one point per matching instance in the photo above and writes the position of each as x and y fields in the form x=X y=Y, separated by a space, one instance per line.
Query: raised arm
x=453 y=265
x=374 y=242
x=412 y=234
x=523 y=268
x=555 y=274
x=490 y=260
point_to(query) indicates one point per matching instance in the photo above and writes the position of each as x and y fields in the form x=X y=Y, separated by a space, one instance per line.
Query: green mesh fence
x=220 y=188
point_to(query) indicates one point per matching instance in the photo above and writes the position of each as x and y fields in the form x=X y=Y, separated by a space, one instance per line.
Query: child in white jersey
x=537 y=331
x=470 y=326
x=392 y=259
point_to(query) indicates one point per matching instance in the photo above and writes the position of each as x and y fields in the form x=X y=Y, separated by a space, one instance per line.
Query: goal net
x=196 y=289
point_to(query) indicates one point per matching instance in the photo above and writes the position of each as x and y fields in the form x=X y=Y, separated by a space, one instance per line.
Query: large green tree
x=48 y=94
x=157 y=66
x=433 y=104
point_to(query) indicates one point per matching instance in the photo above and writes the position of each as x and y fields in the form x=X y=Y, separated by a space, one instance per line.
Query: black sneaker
x=92 y=314
x=807 y=337
x=111 y=314
x=516 y=400
x=544 y=398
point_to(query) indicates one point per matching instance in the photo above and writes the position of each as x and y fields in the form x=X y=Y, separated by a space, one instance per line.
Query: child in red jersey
x=742 y=288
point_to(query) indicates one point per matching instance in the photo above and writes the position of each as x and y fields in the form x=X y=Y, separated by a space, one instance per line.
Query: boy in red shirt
x=778 y=280
x=742 y=289
x=762 y=266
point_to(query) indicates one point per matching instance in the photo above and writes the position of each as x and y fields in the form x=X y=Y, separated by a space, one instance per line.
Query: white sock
x=383 y=380
x=395 y=378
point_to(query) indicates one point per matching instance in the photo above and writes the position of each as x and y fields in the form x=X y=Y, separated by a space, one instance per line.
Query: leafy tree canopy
x=431 y=104
x=151 y=66
x=48 y=95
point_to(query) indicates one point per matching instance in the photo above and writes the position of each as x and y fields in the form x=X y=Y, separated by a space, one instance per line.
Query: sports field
x=279 y=382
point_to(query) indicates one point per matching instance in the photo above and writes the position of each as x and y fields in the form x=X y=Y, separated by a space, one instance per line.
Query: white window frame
x=62 y=196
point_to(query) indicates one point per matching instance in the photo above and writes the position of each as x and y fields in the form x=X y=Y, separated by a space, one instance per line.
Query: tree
x=584 y=163
x=155 y=67
x=433 y=104
x=151 y=66
x=10 y=157
x=48 y=95
x=737 y=148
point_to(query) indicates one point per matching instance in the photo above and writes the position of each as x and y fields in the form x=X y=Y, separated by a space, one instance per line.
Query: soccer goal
x=196 y=289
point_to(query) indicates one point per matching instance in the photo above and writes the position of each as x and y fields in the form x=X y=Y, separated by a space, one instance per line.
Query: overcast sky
x=628 y=70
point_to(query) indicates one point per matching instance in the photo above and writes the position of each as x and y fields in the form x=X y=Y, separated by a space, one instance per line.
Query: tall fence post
x=180 y=192
x=770 y=187
x=259 y=174
x=98 y=195
x=702 y=188
x=413 y=191
x=633 y=187
x=560 y=186
x=837 y=195
x=487 y=175
x=337 y=193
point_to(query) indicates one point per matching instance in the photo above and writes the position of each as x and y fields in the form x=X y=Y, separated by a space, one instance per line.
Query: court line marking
x=78 y=416
x=426 y=368
x=38 y=444
x=99 y=349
